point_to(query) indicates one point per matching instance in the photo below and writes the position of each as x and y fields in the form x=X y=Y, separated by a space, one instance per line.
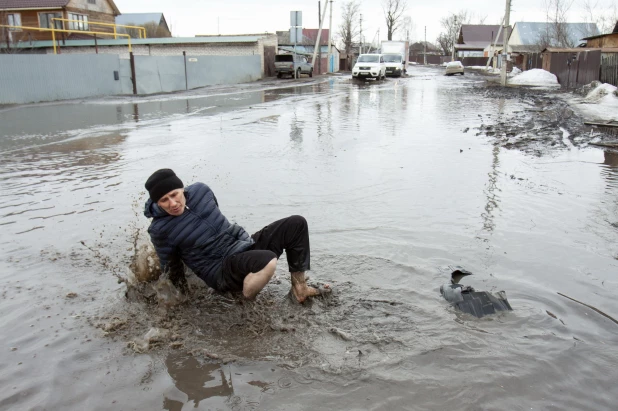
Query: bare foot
x=300 y=289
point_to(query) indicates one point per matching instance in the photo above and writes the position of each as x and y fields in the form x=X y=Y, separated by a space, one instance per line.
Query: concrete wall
x=34 y=78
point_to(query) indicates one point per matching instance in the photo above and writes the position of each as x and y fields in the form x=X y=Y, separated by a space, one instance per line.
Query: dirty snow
x=535 y=77
x=601 y=103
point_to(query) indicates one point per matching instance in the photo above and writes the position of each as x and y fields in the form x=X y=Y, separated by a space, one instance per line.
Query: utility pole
x=455 y=39
x=505 y=51
x=320 y=45
x=361 y=37
x=317 y=41
x=425 y=48
x=330 y=30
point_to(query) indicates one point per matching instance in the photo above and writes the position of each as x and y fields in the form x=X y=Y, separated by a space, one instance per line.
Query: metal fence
x=574 y=69
x=37 y=78
x=609 y=68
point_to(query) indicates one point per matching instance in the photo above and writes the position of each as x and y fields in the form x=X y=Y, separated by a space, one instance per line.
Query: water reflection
x=491 y=195
x=198 y=381
x=611 y=171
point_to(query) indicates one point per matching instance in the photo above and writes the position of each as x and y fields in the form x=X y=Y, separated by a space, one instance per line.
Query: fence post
x=184 y=55
x=133 y=79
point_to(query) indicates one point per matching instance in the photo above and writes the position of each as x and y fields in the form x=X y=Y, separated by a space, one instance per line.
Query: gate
x=269 y=61
x=575 y=69
x=609 y=68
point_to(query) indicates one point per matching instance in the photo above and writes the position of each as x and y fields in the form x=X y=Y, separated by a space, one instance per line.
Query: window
x=46 y=22
x=80 y=23
x=14 y=19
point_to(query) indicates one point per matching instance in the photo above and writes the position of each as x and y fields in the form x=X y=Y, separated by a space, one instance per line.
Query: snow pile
x=602 y=93
x=515 y=71
x=535 y=77
x=489 y=70
x=601 y=102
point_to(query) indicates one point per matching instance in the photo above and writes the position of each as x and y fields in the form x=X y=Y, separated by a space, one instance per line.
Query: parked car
x=454 y=67
x=369 y=66
x=290 y=64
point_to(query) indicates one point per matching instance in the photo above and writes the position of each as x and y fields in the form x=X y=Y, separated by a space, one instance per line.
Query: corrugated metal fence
x=574 y=69
x=38 y=78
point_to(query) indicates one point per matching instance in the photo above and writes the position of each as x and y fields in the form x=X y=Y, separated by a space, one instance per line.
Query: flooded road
x=396 y=187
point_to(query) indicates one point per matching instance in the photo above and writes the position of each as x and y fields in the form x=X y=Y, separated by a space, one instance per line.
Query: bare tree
x=603 y=14
x=393 y=13
x=556 y=33
x=450 y=29
x=153 y=30
x=10 y=38
x=348 y=29
x=408 y=29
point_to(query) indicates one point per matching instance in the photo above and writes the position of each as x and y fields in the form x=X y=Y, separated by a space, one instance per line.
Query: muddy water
x=395 y=191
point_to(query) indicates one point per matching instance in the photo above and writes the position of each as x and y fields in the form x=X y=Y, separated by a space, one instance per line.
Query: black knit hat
x=162 y=182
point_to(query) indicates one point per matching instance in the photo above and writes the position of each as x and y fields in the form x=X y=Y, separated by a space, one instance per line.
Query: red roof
x=32 y=4
x=312 y=34
x=43 y=4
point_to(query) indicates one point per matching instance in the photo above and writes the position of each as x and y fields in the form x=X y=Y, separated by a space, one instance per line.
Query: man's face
x=173 y=202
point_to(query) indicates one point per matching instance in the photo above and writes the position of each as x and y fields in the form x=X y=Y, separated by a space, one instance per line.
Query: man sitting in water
x=187 y=226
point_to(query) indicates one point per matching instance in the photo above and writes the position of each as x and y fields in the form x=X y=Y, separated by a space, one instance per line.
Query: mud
x=546 y=123
x=396 y=185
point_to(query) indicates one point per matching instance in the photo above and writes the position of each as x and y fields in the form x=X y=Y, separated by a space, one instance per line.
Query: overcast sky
x=191 y=17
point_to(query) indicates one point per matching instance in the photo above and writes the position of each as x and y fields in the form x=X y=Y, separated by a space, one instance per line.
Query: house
x=418 y=49
x=309 y=37
x=529 y=39
x=40 y=14
x=603 y=40
x=155 y=24
x=474 y=38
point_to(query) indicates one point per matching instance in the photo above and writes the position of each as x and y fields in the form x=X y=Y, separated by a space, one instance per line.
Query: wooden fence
x=609 y=68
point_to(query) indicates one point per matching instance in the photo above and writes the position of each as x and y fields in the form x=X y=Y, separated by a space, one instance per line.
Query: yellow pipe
x=54 y=30
x=142 y=30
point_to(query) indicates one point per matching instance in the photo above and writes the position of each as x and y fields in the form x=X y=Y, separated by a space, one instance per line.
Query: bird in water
x=466 y=299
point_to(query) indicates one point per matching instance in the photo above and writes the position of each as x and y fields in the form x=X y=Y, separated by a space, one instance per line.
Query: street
x=399 y=180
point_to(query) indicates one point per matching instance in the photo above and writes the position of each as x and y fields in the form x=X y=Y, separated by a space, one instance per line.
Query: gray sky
x=191 y=17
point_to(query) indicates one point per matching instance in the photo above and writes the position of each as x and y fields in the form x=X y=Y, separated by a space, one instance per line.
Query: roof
x=152 y=41
x=312 y=34
x=478 y=35
x=32 y=4
x=43 y=4
x=138 y=18
x=523 y=48
x=309 y=37
x=601 y=35
x=306 y=49
x=530 y=32
x=580 y=49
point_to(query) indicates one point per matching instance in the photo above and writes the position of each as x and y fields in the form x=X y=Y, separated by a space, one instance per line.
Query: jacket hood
x=152 y=210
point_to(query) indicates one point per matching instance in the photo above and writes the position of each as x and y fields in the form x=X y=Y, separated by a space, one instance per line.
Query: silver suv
x=292 y=65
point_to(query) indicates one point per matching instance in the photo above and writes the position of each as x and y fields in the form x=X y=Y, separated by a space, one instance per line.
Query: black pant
x=290 y=234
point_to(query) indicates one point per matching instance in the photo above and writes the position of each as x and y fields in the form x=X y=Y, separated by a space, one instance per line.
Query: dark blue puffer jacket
x=201 y=236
